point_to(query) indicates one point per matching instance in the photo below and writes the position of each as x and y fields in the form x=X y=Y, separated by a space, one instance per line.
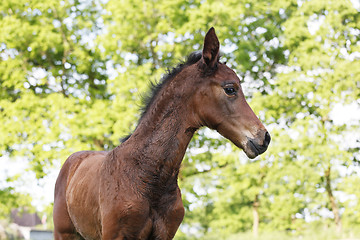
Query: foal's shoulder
x=83 y=161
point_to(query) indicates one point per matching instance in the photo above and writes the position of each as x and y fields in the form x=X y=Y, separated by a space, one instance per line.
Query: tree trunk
x=333 y=204
x=255 y=208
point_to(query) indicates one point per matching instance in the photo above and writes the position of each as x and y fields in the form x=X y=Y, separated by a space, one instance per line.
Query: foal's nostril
x=267 y=139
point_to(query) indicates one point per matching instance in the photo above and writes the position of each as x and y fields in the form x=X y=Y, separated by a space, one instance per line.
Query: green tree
x=53 y=84
x=72 y=74
x=322 y=40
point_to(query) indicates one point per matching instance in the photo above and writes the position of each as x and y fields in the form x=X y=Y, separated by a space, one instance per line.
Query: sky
x=356 y=4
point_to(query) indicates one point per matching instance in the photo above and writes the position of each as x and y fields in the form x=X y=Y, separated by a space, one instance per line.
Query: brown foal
x=132 y=192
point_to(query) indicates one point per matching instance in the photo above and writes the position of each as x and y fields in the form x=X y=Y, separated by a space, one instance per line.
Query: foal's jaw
x=236 y=120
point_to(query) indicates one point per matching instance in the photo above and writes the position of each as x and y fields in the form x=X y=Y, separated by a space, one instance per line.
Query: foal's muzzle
x=257 y=148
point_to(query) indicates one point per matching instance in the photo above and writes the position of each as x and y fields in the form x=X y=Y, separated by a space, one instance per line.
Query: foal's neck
x=162 y=136
x=165 y=132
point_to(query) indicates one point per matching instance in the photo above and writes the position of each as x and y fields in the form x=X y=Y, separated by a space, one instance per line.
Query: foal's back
x=78 y=180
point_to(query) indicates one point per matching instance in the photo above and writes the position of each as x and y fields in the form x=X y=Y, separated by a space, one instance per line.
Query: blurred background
x=72 y=74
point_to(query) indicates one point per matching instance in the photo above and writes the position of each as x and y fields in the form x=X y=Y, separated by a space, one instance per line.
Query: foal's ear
x=211 y=48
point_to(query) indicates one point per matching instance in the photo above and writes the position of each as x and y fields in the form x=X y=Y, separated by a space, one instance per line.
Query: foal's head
x=219 y=102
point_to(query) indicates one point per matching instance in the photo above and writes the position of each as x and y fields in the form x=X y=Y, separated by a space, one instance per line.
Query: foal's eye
x=231 y=91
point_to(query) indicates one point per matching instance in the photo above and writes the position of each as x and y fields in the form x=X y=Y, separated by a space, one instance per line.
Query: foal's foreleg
x=63 y=227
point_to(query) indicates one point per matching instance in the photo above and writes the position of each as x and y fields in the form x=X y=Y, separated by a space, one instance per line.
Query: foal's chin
x=250 y=154
x=249 y=149
x=246 y=148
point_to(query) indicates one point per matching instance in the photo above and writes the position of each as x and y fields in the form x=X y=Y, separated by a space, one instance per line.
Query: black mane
x=155 y=88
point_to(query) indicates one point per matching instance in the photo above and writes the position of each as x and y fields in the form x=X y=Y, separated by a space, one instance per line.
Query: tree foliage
x=72 y=73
